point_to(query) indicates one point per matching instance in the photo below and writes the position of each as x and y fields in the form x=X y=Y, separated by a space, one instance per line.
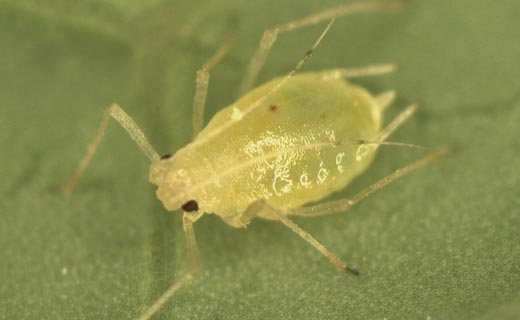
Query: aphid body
x=229 y=174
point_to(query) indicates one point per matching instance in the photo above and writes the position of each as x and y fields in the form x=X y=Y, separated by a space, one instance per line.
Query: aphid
x=293 y=140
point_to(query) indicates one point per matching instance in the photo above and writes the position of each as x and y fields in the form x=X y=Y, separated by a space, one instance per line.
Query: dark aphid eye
x=166 y=156
x=190 y=206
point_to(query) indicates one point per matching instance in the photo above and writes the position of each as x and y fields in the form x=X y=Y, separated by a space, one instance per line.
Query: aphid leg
x=192 y=267
x=347 y=73
x=336 y=262
x=270 y=35
x=243 y=219
x=364 y=149
x=385 y=99
x=282 y=217
x=396 y=122
x=202 y=81
x=343 y=205
x=129 y=125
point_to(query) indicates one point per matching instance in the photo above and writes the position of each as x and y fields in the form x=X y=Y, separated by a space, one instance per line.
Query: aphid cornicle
x=294 y=140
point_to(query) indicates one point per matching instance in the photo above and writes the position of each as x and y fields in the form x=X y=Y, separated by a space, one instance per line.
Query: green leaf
x=442 y=243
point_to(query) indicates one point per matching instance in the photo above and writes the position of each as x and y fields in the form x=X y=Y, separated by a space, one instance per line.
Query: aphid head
x=158 y=169
x=174 y=182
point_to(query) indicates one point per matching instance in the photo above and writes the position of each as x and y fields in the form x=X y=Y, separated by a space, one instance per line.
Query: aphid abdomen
x=268 y=153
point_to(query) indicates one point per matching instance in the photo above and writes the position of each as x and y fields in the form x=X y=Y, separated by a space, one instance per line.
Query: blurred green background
x=442 y=243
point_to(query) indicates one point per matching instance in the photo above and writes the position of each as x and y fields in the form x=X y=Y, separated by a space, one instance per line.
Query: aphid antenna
x=385 y=99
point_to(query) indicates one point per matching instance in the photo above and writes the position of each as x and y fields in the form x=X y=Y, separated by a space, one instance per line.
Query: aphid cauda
x=294 y=140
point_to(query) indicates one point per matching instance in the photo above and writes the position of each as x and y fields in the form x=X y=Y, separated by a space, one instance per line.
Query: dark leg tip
x=352 y=271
